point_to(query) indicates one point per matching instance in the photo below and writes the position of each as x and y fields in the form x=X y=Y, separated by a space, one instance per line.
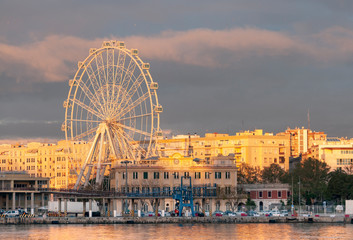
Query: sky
x=222 y=66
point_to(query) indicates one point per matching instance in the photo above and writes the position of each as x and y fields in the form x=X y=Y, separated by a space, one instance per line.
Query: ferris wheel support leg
x=101 y=175
x=112 y=146
x=87 y=176
x=100 y=153
x=91 y=151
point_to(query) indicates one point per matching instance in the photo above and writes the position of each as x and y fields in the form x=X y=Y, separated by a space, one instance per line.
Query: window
x=124 y=175
x=227 y=175
x=260 y=194
x=166 y=190
x=176 y=175
x=227 y=190
x=197 y=175
x=135 y=189
x=279 y=194
x=207 y=175
x=135 y=175
x=186 y=174
x=218 y=175
x=145 y=175
x=156 y=175
x=269 y=194
x=166 y=175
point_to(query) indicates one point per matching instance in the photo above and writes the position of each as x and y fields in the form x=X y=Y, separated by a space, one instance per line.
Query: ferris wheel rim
x=150 y=96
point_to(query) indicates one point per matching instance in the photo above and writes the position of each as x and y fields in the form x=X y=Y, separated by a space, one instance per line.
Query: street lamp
x=126 y=162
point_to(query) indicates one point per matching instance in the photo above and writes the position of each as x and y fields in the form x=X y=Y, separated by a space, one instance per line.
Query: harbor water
x=179 y=231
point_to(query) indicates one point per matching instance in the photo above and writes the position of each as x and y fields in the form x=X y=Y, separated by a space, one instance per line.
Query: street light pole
x=299 y=197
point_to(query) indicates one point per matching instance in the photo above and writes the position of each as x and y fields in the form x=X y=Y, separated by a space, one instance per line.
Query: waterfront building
x=20 y=190
x=255 y=148
x=267 y=196
x=158 y=178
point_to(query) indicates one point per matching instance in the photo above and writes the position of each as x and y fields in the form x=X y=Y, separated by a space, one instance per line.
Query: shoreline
x=172 y=220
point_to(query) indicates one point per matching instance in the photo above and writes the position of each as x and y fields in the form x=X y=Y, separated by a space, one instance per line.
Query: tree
x=273 y=174
x=247 y=174
x=340 y=186
x=313 y=175
x=250 y=204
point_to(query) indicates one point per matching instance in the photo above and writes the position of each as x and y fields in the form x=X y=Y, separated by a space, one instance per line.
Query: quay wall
x=177 y=220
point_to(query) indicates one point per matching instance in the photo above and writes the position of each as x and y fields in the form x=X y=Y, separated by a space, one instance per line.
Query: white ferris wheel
x=113 y=105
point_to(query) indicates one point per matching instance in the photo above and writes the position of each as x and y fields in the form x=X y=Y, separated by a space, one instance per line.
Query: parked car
x=151 y=214
x=230 y=213
x=284 y=213
x=199 y=214
x=276 y=213
x=243 y=214
x=12 y=213
x=253 y=214
x=217 y=214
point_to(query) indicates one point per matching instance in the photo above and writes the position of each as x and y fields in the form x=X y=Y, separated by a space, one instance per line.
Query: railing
x=198 y=191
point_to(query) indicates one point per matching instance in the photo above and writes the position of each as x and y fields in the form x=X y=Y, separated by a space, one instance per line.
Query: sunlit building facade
x=55 y=161
x=159 y=177
x=255 y=148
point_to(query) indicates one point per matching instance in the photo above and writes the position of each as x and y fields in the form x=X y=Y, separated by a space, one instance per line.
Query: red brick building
x=267 y=196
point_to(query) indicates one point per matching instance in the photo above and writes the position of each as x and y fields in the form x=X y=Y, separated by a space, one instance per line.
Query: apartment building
x=255 y=148
x=337 y=153
x=301 y=140
x=59 y=162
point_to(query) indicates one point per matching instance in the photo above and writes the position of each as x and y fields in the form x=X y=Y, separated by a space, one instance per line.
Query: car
x=167 y=214
x=276 y=213
x=217 y=214
x=230 y=213
x=253 y=214
x=284 y=213
x=12 y=213
x=243 y=214
x=151 y=214
x=199 y=214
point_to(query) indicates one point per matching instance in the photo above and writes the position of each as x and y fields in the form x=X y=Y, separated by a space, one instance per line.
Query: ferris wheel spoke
x=96 y=85
x=129 y=94
x=133 y=105
x=87 y=108
x=84 y=134
x=134 y=117
x=101 y=78
x=110 y=76
x=122 y=81
x=90 y=95
x=130 y=142
x=133 y=129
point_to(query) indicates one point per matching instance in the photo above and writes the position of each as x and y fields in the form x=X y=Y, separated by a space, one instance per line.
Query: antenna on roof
x=308 y=119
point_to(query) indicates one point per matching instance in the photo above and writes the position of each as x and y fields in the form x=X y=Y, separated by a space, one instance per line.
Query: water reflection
x=174 y=231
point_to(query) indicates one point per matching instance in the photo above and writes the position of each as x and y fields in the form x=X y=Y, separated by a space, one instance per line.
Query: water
x=178 y=231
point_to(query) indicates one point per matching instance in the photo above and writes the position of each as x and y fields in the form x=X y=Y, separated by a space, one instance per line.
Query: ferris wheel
x=113 y=105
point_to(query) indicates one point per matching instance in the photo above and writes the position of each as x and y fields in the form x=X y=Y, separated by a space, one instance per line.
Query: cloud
x=54 y=58
x=10 y=121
